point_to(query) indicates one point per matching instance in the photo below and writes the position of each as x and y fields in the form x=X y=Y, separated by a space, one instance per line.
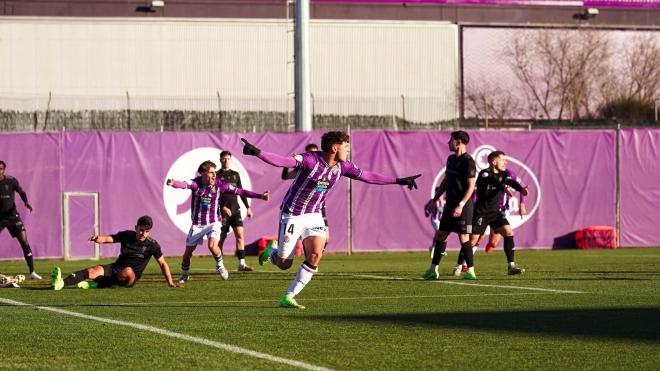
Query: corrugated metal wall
x=392 y=68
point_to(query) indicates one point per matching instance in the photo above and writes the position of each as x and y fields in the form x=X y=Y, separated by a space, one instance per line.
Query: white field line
x=176 y=335
x=438 y=281
x=461 y=283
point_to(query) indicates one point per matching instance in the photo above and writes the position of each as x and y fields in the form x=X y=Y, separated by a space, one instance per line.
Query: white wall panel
x=357 y=68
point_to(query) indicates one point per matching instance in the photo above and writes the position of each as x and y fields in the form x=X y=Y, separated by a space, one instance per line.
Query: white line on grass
x=460 y=283
x=441 y=281
x=192 y=339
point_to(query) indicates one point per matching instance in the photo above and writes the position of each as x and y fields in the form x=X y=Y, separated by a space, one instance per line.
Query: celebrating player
x=459 y=184
x=293 y=174
x=137 y=247
x=231 y=210
x=491 y=185
x=300 y=213
x=9 y=217
x=206 y=220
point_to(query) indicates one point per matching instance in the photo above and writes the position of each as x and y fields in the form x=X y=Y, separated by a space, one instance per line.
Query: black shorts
x=460 y=225
x=109 y=277
x=13 y=223
x=235 y=220
x=495 y=220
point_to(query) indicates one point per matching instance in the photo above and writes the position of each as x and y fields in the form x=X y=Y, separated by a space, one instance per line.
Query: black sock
x=509 y=248
x=185 y=267
x=240 y=254
x=27 y=253
x=76 y=277
x=466 y=249
x=461 y=257
x=312 y=267
x=438 y=252
x=218 y=258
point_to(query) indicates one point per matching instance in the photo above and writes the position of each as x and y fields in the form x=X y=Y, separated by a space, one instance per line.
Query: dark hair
x=493 y=155
x=461 y=135
x=225 y=153
x=333 y=137
x=3 y=164
x=310 y=147
x=145 y=221
x=204 y=166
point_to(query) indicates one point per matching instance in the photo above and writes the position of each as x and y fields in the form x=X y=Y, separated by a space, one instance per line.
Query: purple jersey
x=310 y=188
x=204 y=203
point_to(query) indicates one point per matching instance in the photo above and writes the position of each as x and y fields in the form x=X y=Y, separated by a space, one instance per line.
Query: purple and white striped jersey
x=310 y=188
x=204 y=203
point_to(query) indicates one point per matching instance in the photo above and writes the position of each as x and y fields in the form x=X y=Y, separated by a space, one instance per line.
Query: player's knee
x=126 y=277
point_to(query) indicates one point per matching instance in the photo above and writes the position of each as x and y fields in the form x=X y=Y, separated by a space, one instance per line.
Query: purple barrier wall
x=35 y=160
x=571 y=175
x=129 y=171
x=640 y=187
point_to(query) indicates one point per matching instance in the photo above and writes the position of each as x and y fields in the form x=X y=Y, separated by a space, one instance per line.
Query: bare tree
x=643 y=68
x=560 y=71
x=489 y=101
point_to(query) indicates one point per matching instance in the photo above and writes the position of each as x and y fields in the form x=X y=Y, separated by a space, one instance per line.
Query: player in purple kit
x=9 y=217
x=206 y=219
x=300 y=212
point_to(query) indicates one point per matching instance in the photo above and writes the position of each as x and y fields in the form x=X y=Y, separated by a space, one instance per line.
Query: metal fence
x=218 y=113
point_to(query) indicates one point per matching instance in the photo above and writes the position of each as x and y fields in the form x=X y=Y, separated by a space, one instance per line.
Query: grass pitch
x=571 y=309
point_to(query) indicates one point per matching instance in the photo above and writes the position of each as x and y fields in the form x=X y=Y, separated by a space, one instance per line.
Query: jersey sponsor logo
x=322 y=185
x=525 y=176
x=177 y=201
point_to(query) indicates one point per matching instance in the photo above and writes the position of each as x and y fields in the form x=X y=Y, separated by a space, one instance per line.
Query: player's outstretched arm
x=179 y=184
x=244 y=192
x=101 y=239
x=267 y=157
x=375 y=178
x=166 y=272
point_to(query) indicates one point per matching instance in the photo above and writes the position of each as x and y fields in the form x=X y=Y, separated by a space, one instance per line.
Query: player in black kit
x=9 y=217
x=491 y=185
x=231 y=210
x=136 y=250
x=459 y=183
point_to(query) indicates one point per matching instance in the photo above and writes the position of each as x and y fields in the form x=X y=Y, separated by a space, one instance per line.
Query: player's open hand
x=93 y=238
x=522 y=210
x=227 y=211
x=249 y=149
x=28 y=206
x=248 y=212
x=265 y=196
x=408 y=181
x=174 y=285
x=169 y=182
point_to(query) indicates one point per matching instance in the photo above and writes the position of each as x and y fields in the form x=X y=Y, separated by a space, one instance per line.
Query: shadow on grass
x=614 y=323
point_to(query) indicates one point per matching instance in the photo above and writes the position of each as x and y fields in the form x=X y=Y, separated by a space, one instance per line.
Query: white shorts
x=435 y=222
x=197 y=233
x=293 y=227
